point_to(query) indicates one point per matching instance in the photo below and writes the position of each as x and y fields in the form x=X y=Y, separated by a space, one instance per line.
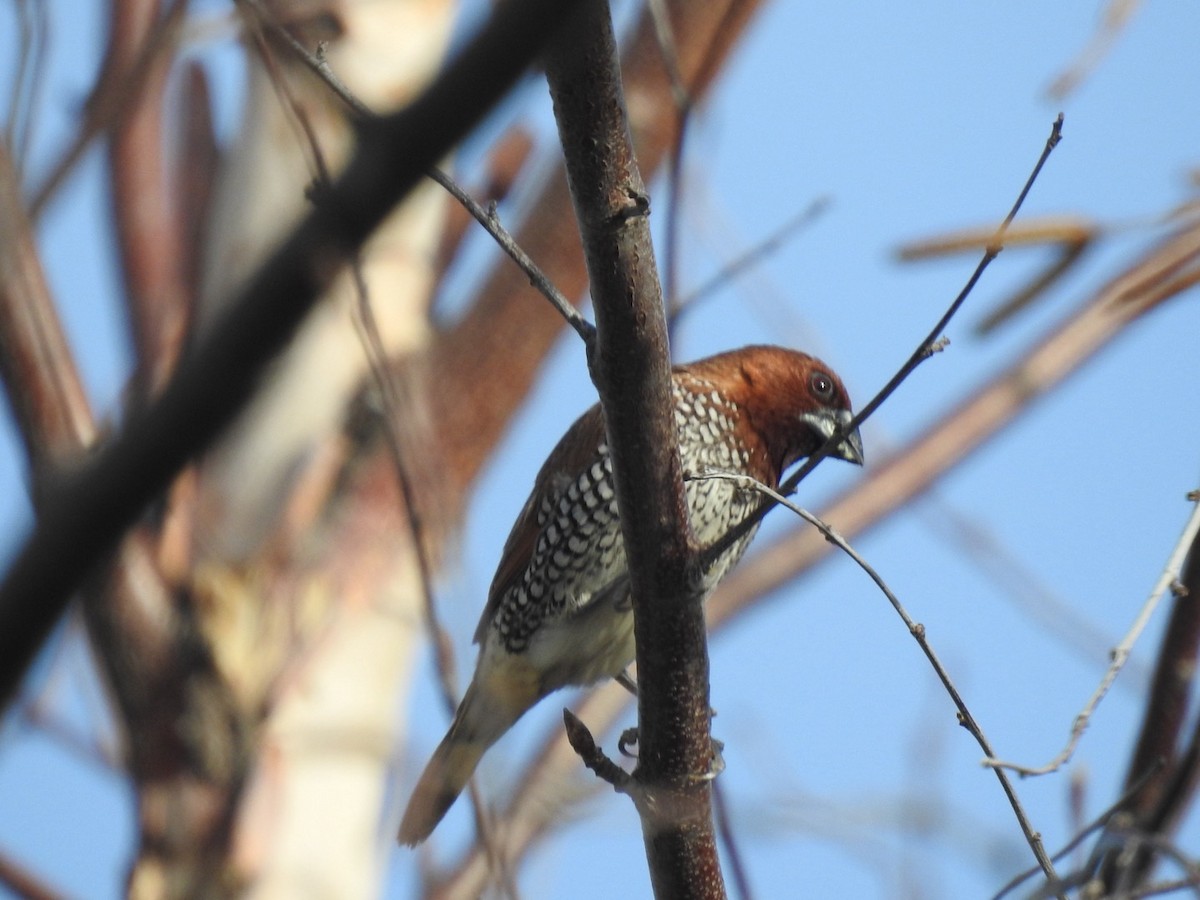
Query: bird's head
x=793 y=404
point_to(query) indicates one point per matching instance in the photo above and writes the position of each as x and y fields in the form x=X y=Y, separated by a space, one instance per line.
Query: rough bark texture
x=630 y=364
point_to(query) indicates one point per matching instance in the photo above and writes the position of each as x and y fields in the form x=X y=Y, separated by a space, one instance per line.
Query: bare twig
x=491 y=224
x=1158 y=805
x=116 y=88
x=927 y=346
x=503 y=167
x=748 y=260
x=917 y=630
x=725 y=831
x=1120 y=653
x=1080 y=836
x=485 y=217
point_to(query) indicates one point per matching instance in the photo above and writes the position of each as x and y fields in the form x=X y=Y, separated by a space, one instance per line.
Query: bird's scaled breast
x=578 y=557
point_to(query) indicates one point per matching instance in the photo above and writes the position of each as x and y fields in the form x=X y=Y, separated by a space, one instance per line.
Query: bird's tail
x=477 y=725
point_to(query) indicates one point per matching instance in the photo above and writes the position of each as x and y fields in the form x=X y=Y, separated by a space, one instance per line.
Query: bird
x=559 y=610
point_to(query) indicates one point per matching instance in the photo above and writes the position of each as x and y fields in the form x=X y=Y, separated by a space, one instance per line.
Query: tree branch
x=917 y=630
x=630 y=365
x=150 y=236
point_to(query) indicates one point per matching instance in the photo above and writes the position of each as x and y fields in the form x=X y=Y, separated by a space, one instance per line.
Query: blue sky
x=912 y=120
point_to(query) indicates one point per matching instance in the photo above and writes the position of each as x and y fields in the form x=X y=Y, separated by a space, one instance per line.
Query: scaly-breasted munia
x=559 y=610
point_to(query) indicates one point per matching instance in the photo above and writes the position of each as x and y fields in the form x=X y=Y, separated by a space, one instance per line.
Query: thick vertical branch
x=631 y=367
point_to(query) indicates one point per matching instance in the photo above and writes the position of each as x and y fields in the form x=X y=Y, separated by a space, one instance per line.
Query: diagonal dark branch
x=485 y=217
x=630 y=365
x=81 y=523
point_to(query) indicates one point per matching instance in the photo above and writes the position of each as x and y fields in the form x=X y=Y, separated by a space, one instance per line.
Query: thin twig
x=664 y=36
x=1121 y=652
x=927 y=346
x=1135 y=841
x=1081 y=835
x=737 y=862
x=319 y=65
x=917 y=630
x=748 y=260
x=115 y=90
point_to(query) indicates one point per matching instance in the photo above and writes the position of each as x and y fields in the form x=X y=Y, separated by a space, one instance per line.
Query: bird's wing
x=574 y=453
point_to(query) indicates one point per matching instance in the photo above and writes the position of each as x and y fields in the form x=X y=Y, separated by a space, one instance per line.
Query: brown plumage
x=559 y=611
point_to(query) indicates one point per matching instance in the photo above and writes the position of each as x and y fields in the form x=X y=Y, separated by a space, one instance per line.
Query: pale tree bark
x=315 y=616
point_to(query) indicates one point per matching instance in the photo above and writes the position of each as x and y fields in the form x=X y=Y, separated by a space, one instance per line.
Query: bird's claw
x=628 y=737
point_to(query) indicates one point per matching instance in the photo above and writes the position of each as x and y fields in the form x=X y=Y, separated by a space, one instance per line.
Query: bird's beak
x=828 y=421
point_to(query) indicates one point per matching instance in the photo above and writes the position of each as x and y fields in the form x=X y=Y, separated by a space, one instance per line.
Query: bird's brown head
x=793 y=403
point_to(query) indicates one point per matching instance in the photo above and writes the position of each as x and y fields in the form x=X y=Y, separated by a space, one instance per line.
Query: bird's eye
x=822 y=385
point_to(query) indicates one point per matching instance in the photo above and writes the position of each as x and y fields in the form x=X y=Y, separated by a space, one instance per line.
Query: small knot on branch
x=935 y=347
x=636 y=207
